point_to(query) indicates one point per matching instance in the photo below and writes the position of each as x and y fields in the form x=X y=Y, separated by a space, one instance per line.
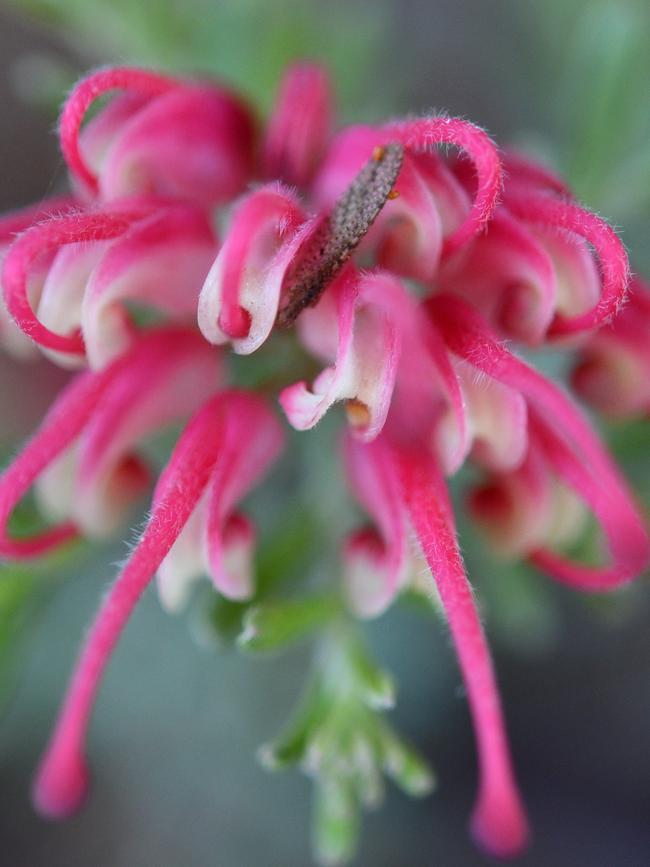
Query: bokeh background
x=177 y=725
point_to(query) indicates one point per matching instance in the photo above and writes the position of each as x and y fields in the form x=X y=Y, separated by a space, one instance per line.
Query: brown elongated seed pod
x=341 y=231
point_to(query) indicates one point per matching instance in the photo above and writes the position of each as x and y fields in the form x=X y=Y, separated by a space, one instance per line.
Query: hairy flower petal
x=368 y=314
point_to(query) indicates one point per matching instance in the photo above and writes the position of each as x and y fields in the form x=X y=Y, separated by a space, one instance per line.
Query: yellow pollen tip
x=378 y=153
x=357 y=412
x=394 y=194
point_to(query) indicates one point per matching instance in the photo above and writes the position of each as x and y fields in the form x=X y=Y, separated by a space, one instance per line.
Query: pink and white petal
x=509 y=275
x=61 y=782
x=236 y=557
x=12 y=340
x=514 y=509
x=192 y=142
x=613 y=367
x=614 y=376
x=252 y=441
x=577 y=277
x=99 y=133
x=63 y=423
x=624 y=529
x=550 y=212
x=376 y=560
x=424 y=134
x=575 y=451
x=408 y=236
x=427 y=390
x=184 y=563
x=370 y=314
x=496 y=418
x=160 y=262
x=240 y=297
x=40 y=244
x=299 y=125
x=61 y=298
x=180 y=373
x=141 y=82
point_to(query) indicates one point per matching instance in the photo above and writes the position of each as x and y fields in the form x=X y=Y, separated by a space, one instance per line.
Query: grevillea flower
x=327 y=264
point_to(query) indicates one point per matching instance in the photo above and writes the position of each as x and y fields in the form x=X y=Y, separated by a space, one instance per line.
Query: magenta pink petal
x=61 y=782
x=299 y=126
x=63 y=423
x=175 y=239
x=553 y=212
x=371 y=314
x=521 y=170
x=426 y=133
x=578 y=452
x=40 y=240
x=626 y=535
x=251 y=441
x=193 y=142
x=91 y=87
x=240 y=297
x=376 y=563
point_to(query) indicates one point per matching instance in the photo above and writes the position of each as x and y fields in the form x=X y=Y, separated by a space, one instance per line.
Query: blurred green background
x=173 y=739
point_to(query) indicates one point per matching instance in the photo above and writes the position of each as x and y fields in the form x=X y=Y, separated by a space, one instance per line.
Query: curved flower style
x=327 y=265
x=162 y=136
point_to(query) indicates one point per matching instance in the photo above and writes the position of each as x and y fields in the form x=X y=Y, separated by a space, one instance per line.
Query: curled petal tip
x=60 y=786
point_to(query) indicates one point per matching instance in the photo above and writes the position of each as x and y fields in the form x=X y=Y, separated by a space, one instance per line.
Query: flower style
x=425 y=377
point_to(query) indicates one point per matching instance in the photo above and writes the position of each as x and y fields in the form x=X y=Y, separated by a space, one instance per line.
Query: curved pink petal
x=192 y=142
x=180 y=372
x=62 y=779
x=15 y=222
x=299 y=126
x=499 y=821
x=376 y=561
x=43 y=239
x=65 y=420
x=252 y=441
x=627 y=539
x=370 y=314
x=161 y=262
x=525 y=508
x=90 y=88
x=469 y=337
x=61 y=296
x=425 y=133
x=521 y=170
x=429 y=403
x=12 y=338
x=613 y=368
x=548 y=211
x=509 y=276
x=218 y=540
x=495 y=420
x=241 y=294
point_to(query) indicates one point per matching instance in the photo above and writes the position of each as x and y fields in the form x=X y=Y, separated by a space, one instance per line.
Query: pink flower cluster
x=403 y=268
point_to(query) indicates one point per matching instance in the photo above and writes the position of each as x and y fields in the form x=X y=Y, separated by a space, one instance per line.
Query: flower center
x=339 y=233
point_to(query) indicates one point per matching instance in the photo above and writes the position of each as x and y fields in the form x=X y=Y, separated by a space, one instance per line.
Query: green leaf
x=336 y=822
x=274 y=625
